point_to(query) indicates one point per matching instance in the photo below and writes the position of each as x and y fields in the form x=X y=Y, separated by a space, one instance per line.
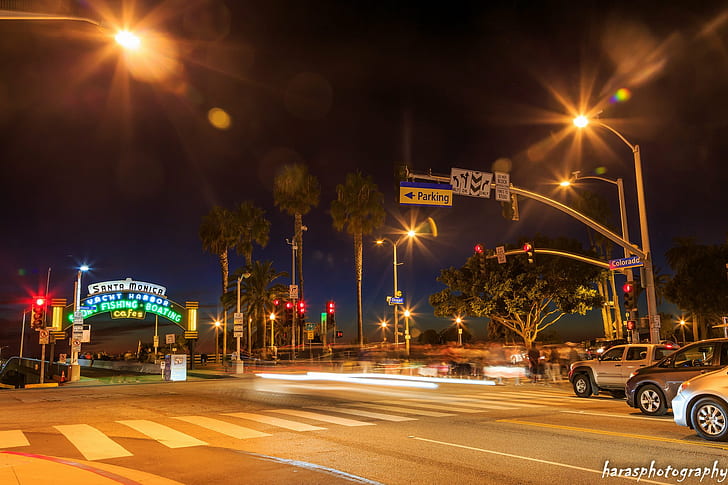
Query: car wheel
x=709 y=417
x=582 y=385
x=651 y=401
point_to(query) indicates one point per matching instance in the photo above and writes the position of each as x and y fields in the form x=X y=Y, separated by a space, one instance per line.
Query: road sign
x=471 y=183
x=293 y=292
x=169 y=338
x=623 y=263
x=237 y=334
x=417 y=193
x=237 y=318
x=310 y=327
x=500 y=252
x=43 y=336
x=395 y=300
x=502 y=187
x=237 y=328
x=309 y=335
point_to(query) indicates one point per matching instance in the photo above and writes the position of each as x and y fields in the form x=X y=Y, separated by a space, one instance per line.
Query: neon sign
x=129 y=303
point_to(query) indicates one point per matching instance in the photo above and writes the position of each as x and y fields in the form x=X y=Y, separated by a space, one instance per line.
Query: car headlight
x=633 y=374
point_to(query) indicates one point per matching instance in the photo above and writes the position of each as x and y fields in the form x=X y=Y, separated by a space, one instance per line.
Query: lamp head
x=84 y=268
x=581 y=121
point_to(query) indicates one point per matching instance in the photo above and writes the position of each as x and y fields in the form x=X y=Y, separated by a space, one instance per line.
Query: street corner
x=23 y=468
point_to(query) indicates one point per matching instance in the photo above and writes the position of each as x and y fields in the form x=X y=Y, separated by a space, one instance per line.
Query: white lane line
x=608 y=415
x=92 y=443
x=171 y=438
x=13 y=438
x=322 y=417
x=273 y=421
x=528 y=458
x=402 y=410
x=361 y=412
x=455 y=404
x=223 y=427
x=441 y=407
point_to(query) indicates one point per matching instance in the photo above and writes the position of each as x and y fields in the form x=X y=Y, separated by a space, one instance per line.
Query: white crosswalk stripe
x=223 y=427
x=92 y=443
x=487 y=404
x=13 y=438
x=442 y=407
x=322 y=417
x=171 y=438
x=361 y=412
x=403 y=410
x=273 y=421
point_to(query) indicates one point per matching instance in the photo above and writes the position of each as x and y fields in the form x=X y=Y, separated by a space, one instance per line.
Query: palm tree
x=257 y=293
x=219 y=232
x=254 y=228
x=358 y=208
x=295 y=192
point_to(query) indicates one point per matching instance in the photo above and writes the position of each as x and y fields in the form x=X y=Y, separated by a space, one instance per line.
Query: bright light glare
x=411 y=233
x=565 y=183
x=84 y=268
x=217 y=323
x=581 y=121
x=377 y=379
x=128 y=40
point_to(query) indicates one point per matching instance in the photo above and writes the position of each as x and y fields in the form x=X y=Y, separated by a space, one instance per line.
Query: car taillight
x=632 y=374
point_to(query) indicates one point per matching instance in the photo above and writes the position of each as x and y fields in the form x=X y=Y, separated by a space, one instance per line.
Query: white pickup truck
x=610 y=371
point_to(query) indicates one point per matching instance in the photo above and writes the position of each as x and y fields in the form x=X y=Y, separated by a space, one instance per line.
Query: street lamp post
x=272 y=318
x=654 y=318
x=682 y=326
x=459 y=321
x=217 y=342
x=238 y=328
x=75 y=369
x=383 y=326
x=407 y=332
x=395 y=292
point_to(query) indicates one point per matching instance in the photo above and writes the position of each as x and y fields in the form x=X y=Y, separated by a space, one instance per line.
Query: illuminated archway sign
x=130 y=299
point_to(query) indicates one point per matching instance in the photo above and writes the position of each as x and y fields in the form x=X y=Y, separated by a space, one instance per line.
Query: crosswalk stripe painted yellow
x=223 y=427
x=322 y=417
x=171 y=438
x=92 y=443
x=273 y=421
x=13 y=438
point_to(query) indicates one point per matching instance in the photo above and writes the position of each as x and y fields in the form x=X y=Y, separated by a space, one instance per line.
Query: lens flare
x=622 y=95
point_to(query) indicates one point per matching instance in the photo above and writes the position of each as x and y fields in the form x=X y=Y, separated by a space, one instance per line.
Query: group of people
x=547 y=364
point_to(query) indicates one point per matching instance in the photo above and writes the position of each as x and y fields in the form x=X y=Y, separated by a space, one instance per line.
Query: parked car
x=701 y=404
x=610 y=370
x=651 y=389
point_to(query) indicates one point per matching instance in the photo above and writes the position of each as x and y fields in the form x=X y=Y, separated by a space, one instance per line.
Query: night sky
x=112 y=160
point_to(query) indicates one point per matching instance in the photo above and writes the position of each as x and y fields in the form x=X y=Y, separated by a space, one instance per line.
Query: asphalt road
x=255 y=430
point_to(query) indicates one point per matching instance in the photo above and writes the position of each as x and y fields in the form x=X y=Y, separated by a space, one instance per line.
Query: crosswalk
x=94 y=444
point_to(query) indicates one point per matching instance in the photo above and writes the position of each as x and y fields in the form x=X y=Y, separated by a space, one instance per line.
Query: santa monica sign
x=126 y=285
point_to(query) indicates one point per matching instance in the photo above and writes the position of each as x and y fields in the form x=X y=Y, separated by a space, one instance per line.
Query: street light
x=576 y=176
x=217 y=341
x=428 y=226
x=75 y=370
x=406 y=331
x=238 y=327
x=682 y=326
x=383 y=326
x=458 y=322
x=654 y=322
x=272 y=318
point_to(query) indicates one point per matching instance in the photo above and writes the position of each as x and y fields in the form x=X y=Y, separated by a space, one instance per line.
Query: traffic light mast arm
x=553 y=203
x=578 y=257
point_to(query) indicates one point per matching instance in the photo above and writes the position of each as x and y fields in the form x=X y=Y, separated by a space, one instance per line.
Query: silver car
x=702 y=404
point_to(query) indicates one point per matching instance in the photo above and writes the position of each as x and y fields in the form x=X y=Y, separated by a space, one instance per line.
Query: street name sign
x=395 y=300
x=500 y=251
x=502 y=187
x=623 y=263
x=417 y=193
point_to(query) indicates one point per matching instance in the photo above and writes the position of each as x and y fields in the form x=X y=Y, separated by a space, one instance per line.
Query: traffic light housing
x=631 y=324
x=331 y=312
x=301 y=310
x=289 y=313
x=339 y=334
x=480 y=254
x=37 y=314
x=630 y=300
x=528 y=249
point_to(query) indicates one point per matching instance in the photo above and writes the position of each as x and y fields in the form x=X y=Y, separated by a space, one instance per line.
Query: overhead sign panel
x=471 y=183
x=416 y=193
x=623 y=263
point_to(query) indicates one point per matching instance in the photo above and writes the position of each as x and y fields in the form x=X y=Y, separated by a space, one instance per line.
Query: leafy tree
x=359 y=209
x=525 y=298
x=429 y=337
x=699 y=283
x=295 y=192
x=254 y=228
x=257 y=293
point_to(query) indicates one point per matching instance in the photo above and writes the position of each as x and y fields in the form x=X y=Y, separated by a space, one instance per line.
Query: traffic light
x=301 y=310
x=339 y=334
x=528 y=249
x=331 y=311
x=37 y=314
x=630 y=302
x=289 y=313
x=631 y=324
x=480 y=254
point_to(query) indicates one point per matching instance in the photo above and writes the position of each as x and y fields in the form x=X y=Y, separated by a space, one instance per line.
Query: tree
x=295 y=192
x=219 y=232
x=254 y=228
x=358 y=209
x=524 y=297
x=699 y=283
x=257 y=293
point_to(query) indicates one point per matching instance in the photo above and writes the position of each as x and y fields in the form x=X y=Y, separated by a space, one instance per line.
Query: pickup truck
x=610 y=371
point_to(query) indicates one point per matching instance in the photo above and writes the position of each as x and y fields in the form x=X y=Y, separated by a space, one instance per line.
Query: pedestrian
x=533 y=363
x=554 y=363
x=203 y=359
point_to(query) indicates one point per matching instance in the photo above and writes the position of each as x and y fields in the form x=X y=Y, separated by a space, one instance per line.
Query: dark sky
x=113 y=164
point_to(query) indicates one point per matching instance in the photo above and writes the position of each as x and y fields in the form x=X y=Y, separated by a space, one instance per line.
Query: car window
x=694 y=356
x=613 y=354
x=724 y=354
x=636 y=353
x=661 y=352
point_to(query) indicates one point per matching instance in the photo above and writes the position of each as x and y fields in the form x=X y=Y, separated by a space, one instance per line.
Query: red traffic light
x=528 y=247
x=479 y=248
x=40 y=301
x=628 y=287
x=289 y=305
x=331 y=307
x=630 y=324
x=276 y=302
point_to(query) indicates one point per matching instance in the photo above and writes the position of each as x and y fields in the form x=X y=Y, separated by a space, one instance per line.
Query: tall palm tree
x=359 y=209
x=295 y=192
x=219 y=232
x=254 y=228
x=257 y=293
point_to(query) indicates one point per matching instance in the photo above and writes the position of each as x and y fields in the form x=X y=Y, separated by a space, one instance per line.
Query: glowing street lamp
x=406 y=331
x=383 y=326
x=128 y=40
x=217 y=324
x=682 y=326
x=581 y=122
x=458 y=322
x=272 y=318
x=75 y=370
